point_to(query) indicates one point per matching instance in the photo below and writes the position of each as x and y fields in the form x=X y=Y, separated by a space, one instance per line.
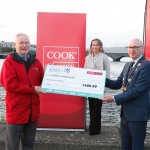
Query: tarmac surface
x=71 y=140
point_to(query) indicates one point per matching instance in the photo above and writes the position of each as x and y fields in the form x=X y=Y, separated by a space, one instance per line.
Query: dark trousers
x=95 y=106
x=20 y=134
x=132 y=134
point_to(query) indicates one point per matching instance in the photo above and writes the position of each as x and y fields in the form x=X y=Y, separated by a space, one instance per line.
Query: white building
x=7 y=44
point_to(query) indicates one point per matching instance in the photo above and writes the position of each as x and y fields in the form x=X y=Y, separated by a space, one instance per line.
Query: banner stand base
x=59 y=129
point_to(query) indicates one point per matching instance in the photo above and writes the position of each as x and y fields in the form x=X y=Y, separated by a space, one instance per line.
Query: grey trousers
x=22 y=135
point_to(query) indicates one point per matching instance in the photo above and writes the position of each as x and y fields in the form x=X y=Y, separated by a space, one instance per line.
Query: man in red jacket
x=21 y=76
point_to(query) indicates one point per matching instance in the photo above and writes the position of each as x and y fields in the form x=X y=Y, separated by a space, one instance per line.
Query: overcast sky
x=115 y=22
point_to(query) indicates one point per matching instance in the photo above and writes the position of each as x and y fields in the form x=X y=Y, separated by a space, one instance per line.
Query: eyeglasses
x=133 y=47
x=22 y=43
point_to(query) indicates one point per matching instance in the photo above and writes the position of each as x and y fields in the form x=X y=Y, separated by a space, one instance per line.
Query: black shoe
x=94 y=132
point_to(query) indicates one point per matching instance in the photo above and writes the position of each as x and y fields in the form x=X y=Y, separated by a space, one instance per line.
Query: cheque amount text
x=90 y=85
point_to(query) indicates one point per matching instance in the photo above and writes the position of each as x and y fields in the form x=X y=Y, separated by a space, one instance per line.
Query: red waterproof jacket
x=19 y=78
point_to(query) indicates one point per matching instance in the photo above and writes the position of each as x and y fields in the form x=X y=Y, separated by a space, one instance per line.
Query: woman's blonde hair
x=99 y=43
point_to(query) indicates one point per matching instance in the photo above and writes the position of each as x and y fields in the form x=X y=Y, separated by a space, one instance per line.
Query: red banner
x=147 y=30
x=61 y=41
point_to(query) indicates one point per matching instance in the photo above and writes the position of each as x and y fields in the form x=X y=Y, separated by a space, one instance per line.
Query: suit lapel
x=126 y=74
x=140 y=61
x=136 y=66
x=133 y=70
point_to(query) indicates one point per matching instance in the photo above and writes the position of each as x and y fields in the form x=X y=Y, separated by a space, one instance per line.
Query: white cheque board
x=74 y=81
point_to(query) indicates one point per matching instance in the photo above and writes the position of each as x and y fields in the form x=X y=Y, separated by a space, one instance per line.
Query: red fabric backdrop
x=147 y=30
x=61 y=40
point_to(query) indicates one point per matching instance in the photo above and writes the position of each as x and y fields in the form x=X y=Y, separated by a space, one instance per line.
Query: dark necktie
x=131 y=65
x=131 y=68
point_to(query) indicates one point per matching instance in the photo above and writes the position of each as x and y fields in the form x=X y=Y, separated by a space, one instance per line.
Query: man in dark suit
x=135 y=98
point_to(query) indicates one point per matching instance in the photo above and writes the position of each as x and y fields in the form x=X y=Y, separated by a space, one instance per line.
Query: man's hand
x=107 y=98
x=38 y=90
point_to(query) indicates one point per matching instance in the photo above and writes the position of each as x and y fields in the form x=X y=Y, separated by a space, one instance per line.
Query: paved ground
x=66 y=140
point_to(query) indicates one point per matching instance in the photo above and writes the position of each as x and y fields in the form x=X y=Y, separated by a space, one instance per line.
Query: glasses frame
x=24 y=43
x=133 y=47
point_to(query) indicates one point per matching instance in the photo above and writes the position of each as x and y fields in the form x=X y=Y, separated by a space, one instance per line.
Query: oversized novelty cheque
x=74 y=81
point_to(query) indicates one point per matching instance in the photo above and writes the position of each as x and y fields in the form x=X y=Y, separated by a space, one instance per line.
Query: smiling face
x=135 y=48
x=22 y=45
x=96 y=46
